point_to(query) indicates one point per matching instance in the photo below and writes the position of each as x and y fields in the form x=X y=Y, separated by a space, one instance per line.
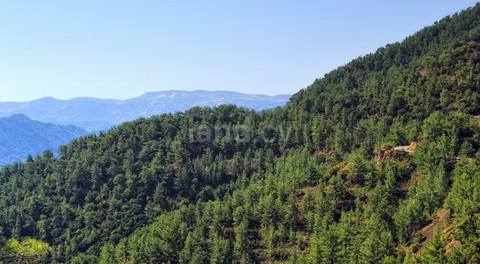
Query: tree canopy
x=317 y=181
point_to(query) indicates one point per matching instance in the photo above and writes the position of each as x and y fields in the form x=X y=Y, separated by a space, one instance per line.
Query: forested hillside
x=315 y=182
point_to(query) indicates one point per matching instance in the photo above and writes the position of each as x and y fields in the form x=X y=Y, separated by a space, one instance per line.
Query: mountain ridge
x=21 y=136
x=95 y=114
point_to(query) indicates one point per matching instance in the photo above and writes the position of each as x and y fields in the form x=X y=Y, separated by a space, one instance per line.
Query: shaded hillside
x=318 y=181
x=95 y=114
x=21 y=136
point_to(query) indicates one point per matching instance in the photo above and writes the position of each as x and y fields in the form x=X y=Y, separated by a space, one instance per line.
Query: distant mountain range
x=20 y=136
x=95 y=114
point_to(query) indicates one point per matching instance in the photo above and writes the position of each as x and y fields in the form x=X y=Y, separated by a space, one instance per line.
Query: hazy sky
x=122 y=49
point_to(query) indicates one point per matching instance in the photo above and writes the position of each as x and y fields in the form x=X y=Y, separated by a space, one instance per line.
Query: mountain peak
x=19 y=116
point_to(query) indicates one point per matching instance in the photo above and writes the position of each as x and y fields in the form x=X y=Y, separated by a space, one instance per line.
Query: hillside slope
x=21 y=136
x=342 y=194
x=318 y=181
x=95 y=114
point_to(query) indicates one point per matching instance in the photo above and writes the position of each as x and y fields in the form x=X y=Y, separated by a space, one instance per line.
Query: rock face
x=95 y=114
x=409 y=149
x=21 y=136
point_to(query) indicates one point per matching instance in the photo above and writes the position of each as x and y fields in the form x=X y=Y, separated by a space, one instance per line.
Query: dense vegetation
x=27 y=251
x=314 y=182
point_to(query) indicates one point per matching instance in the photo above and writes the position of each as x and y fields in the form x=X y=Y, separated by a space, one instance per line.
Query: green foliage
x=314 y=182
x=26 y=251
x=435 y=252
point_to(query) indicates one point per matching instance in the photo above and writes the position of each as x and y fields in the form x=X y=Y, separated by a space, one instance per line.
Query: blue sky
x=122 y=49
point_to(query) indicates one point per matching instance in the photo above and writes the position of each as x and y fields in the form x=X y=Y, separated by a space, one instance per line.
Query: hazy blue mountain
x=21 y=136
x=95 y=114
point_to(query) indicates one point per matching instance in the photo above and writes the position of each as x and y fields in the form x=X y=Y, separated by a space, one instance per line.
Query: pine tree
x=435 y=252
x=107 y=254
